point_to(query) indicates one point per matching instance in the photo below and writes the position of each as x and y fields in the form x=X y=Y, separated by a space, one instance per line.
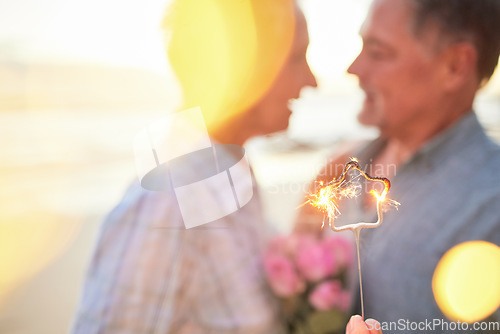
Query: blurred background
x=78 y=79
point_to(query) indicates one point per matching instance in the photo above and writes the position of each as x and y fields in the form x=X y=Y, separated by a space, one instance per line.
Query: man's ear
x=460 y=61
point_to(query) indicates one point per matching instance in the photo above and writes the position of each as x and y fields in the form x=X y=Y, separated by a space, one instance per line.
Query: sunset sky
x=127 y=32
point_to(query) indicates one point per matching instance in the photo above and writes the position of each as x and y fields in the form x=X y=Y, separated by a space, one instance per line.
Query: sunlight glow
x=245 y=42
x=465 y=282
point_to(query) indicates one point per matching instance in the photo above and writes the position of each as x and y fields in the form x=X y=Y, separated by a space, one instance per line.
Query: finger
x=373 y=326
x=356 y=325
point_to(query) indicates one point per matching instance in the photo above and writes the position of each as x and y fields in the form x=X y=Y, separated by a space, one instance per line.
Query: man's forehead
x=387 y=19
x=391 y=23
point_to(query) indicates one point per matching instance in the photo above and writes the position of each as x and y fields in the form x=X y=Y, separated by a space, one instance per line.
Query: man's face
x=272 y=112
x=398 y=72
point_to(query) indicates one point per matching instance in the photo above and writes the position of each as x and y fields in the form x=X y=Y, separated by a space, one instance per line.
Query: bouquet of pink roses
x=310 y=277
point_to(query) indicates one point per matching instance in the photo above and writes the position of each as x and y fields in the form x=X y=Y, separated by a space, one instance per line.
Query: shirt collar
x=448 y=142
x=438 y=148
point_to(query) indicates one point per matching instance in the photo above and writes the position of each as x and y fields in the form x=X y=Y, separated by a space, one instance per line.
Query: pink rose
x=315 y=261
x=342 y=249
x=281 y=274
x=325 y=296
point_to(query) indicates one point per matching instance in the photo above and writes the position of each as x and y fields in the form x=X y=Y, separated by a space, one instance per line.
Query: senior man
x=421 y=66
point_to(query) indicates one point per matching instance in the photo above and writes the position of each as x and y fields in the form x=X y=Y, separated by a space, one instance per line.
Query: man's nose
x=355 y=67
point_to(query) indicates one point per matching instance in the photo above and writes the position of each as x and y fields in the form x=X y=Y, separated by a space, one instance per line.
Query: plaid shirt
x=151 y=275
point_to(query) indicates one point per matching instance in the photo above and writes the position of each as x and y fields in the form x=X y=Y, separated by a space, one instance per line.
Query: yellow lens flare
x=29 y=242
x=466 y=281
x=226 y=53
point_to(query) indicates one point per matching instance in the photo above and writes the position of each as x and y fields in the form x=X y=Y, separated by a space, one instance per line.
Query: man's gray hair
x=477 y=21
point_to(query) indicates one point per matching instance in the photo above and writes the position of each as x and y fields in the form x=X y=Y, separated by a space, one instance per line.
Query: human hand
x=357 y=326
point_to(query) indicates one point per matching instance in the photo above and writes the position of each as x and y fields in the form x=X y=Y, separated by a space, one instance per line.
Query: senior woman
x=241 y=62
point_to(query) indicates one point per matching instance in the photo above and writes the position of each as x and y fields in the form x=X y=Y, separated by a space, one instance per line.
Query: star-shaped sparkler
x=329 y=194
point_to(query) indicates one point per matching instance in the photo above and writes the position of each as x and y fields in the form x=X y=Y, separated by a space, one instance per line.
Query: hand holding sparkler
x=357 y=326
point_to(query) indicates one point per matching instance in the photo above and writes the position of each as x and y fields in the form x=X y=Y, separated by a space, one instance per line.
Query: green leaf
x=322 y=322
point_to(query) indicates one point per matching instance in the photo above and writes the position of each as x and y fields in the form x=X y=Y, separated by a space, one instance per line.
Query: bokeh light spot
x=227 y=53
x=465 y=282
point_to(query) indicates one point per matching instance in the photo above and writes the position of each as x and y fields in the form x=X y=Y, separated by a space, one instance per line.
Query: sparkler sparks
x=328 y=196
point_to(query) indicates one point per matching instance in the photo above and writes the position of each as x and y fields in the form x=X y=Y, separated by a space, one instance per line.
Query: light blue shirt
x=449 y=193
